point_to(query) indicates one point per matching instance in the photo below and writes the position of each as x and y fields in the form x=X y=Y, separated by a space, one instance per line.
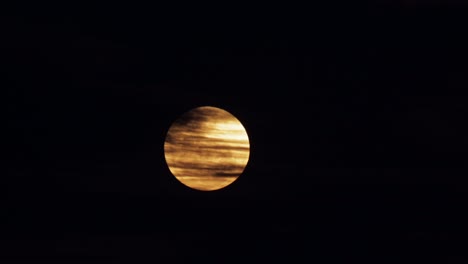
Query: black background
x=355 y=113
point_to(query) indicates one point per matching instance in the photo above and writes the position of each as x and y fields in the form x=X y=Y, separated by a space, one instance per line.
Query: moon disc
x=207 y=148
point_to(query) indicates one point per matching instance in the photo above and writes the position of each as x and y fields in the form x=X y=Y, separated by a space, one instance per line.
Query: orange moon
x=207 y=148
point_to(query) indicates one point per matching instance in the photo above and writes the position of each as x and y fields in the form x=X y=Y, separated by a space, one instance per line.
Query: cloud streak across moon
x=207 y=148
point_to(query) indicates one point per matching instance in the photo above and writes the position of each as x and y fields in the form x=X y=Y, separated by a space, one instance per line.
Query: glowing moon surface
x=207 y=148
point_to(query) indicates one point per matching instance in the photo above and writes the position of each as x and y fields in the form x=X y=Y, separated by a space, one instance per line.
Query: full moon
x=207 y=148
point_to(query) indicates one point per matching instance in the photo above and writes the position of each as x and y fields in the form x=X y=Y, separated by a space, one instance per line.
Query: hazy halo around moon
x=207 y=148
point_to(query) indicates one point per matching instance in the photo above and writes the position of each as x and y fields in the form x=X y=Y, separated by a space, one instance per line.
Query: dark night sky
x=355 y=114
